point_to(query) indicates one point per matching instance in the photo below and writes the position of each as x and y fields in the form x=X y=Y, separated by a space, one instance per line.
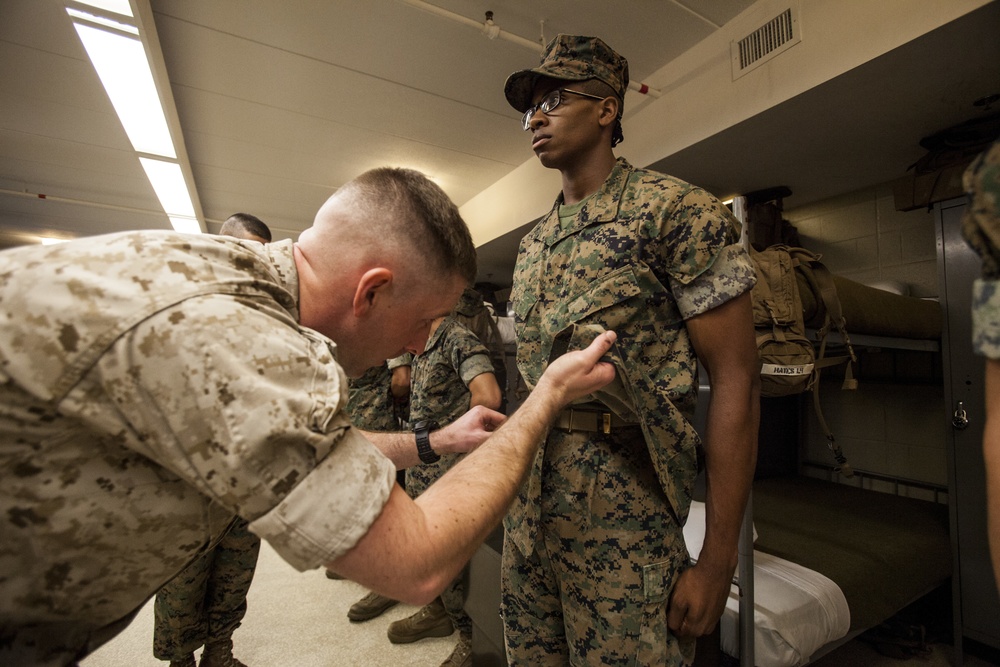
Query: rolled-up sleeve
x=730 y=275
x=333 y=507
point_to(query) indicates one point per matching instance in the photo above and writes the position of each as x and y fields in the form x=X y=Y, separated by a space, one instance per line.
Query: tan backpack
x=789 y=360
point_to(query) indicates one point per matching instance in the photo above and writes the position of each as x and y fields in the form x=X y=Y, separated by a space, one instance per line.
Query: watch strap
x=422 y=430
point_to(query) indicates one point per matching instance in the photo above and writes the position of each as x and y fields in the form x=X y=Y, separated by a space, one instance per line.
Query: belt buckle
x=606 y=422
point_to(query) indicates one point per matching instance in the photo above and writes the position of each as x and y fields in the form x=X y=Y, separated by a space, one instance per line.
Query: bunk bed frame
x=877 y=582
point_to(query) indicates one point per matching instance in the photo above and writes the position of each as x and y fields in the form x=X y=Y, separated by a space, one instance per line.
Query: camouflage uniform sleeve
x=402 y=360
x=707 y=265
x=249 y=409
x=469 y=357
x=981 y=229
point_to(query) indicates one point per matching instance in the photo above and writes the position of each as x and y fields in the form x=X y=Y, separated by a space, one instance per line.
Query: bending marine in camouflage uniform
x=981 y=228
x=452 y=374
x=595 y=570
x=204 y=604
x=135 y=421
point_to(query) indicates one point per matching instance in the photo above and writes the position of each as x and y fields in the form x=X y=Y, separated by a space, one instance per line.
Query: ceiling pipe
x=82 y=202
x=492 y=31
x=114 y=207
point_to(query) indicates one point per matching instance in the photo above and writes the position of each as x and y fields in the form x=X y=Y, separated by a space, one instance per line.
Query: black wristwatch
x=422 y=430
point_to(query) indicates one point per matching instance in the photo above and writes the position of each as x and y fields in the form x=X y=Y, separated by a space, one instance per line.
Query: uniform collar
x=283 y=262
x=437 y=335
x=600 y=207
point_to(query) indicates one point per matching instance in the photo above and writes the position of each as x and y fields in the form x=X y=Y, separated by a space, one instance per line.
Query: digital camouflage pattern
x=570 y=58
x=473 y=312
x=644 y=253
x=604 y=527
x=369 y=398
x=439 y=390
x=207 y=601
x=981 y=229
x=152 y=384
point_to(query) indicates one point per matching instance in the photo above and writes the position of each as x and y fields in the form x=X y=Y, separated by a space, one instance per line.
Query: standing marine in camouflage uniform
x=981 y=228
x=135 y=420
x=370 y=399
x=451 y=375
x=595 y=570
x=204 y=604
x=378 y=401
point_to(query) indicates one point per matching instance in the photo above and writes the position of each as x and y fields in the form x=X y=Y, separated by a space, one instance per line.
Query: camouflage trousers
x=207 y=600
x=418 y=478
x=607 y=552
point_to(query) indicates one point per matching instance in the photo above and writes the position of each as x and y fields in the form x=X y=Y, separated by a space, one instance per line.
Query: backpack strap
x=820 y=278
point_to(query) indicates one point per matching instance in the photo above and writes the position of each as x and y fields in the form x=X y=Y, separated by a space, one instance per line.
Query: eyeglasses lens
x=548 y=103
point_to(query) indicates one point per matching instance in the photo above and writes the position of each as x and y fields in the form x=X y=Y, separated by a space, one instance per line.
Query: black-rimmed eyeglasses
x=550 y=102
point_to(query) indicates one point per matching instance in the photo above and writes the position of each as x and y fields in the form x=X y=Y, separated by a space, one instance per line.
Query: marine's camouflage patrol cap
x=570 y=58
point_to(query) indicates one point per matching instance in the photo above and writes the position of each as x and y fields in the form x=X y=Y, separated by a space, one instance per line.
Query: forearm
x=440 y=531
x=414 y=549
x=991 y=457
x=400 y=448
x=731 y=453
x=991 y=461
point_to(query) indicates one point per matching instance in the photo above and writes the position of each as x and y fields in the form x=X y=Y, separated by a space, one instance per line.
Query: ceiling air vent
x=777 y=35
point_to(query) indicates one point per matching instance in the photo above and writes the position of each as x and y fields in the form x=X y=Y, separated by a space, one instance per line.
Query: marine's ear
x=609 y=111
x=374 y=287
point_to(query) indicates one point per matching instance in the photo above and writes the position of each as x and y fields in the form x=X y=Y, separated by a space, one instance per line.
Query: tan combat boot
x=219 y=654
x=430 y=621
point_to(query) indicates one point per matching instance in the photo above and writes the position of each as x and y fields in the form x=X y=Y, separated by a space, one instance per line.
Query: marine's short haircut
x=422 y=213
x=244 y=222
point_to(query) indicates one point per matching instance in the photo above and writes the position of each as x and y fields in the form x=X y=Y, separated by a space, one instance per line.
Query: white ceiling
x=280 y=103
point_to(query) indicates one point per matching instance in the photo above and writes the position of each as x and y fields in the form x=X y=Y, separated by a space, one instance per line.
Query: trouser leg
x=453 y=598
x=607 y=553
x=179 y=625
x=230 y=578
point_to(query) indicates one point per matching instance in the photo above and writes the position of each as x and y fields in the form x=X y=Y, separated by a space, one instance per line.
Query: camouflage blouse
x=152 y=384
x=645 y=253
x=981 y=228
x=439 y=390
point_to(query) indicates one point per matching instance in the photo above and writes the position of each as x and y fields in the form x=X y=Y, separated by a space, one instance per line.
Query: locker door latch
x=960 y=420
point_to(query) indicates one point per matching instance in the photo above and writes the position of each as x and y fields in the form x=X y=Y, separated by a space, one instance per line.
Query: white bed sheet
x=796 y=610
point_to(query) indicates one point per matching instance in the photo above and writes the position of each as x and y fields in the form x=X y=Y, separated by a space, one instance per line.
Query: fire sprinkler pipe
x=493 y=31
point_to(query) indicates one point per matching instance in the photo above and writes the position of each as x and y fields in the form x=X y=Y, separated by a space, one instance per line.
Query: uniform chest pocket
x=597 y=303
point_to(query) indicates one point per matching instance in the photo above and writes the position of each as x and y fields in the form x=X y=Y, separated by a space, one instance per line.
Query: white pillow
x=694 y=529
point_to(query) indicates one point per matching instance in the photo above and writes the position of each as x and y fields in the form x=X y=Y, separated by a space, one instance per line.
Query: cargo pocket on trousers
x=657 y=645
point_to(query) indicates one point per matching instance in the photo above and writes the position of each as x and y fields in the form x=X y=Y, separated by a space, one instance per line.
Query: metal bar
x=745 y=553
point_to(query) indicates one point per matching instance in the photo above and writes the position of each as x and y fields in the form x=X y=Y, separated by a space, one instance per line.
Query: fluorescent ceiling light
x=185 y=225
x=103 y=21
x=168 y=183
x=117 y=6
x=48 y=240
x=121 y=64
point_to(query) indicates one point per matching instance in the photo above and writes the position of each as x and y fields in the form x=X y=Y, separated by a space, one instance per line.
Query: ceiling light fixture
x=121 y=64
x=118 y=50
x=117 y=6
x=168 y=183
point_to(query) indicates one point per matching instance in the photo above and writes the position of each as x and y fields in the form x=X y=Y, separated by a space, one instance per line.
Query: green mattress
x=883 y=551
